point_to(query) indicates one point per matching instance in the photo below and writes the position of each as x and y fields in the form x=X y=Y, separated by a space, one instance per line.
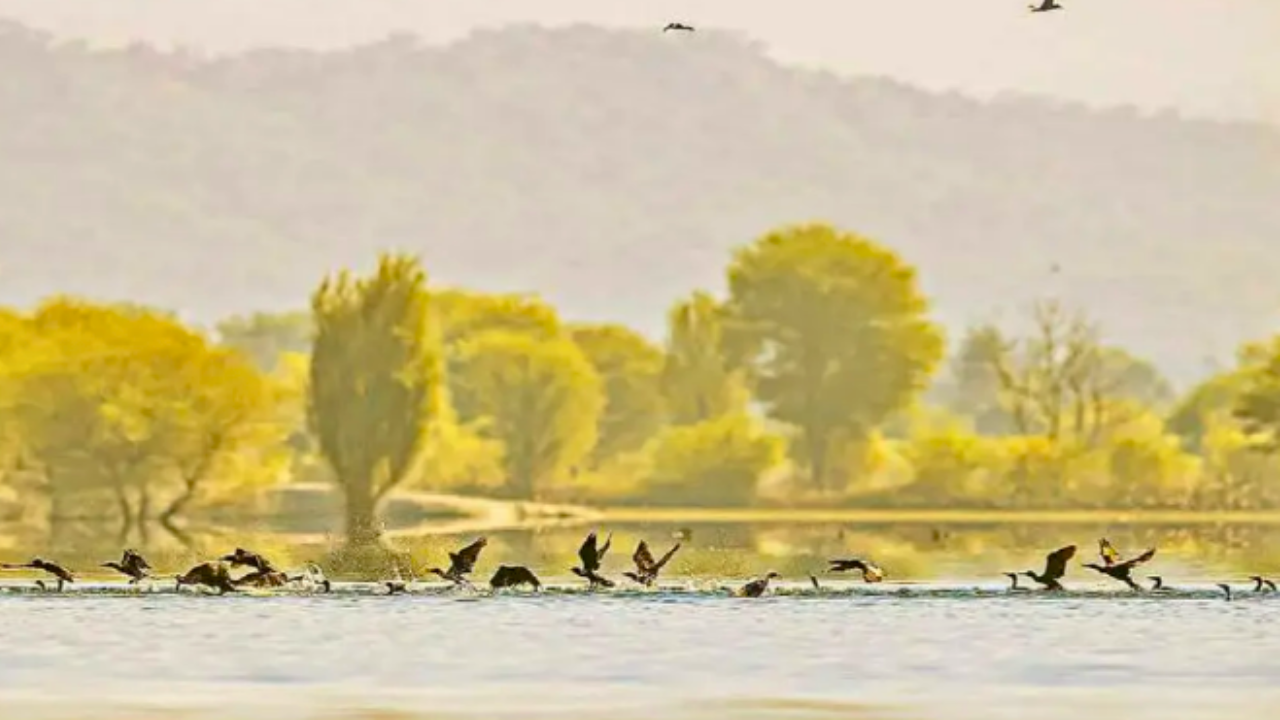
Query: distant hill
x=613 y=171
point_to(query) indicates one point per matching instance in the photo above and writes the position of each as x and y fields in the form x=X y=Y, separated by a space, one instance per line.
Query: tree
x=1061 y=378
x=630 y=368
x=973 y=387
x=119 y=401
x=833 y=330
x=265 y=337
x=374 y=383
x=697 y=381
x=1258 y=402
x=234 y=426
x=541 y=398
x=463 y=314
x=717 y=462
x=96 y=403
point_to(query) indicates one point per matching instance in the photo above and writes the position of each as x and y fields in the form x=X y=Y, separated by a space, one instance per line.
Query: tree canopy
x=834 y=330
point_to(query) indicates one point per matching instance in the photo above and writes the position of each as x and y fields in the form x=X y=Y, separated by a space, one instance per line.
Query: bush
x=716 y=462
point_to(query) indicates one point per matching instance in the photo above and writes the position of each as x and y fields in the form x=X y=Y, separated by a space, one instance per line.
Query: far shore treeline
x=820 y=379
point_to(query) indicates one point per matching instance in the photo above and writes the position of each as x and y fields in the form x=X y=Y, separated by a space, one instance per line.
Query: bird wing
x=665 y=558
x=467 y=556
x=587 y=553
x=842 y=565
x=604 y=548
x=1110 y=556
x=643 y=558
x=1055 y=565
x=1135 y=562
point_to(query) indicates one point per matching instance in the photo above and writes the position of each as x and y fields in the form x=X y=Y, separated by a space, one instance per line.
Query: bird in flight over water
x=1045 y=6
x=678 y=26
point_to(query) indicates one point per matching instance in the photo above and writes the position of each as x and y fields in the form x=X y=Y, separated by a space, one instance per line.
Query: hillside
x=612 y=172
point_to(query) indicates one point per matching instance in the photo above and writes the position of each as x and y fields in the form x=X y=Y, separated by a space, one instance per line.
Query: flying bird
x=870 y=571
x=513 y=576
x=209 y=574
x=1045 y=6
x=646 y=568
x=131 y=565
x=61 y=574
x=1116 y=568
x=591 y=555
x=1055 y=567
x=462 y=563
x=245 y=558
x=677 y=26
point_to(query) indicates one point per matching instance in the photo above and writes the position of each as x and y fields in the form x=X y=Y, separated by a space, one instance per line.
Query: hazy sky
x=1205 y=57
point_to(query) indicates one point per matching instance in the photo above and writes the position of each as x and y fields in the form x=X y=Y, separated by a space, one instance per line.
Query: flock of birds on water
x=216 y=575
x=1044 y=6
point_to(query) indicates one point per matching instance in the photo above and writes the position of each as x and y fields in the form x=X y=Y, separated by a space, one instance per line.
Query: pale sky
x=1218 y=58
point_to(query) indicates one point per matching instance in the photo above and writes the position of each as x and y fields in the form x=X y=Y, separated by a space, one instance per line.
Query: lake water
x=941 y=640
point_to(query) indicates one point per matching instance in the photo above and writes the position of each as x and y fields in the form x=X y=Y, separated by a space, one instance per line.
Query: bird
x=870 y=571
x=461 y=563
x=132 y=565
x=1226 y=589
x=1157 y=582
x=61 y=574
x=214 y=575
x=1117 y=569
x=1045 y=6
x=313 y=576
x=512 y=576
x=263 y=579
x=395 y=587
x=1055 y=567
x=756 y=588
x=245 y=558
x=677 y=26
x=1108 y=552
x=1259 y=581
x=590 y=555
x=646 y=569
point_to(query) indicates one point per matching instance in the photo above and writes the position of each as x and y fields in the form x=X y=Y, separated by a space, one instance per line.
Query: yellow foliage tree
x=541 y=398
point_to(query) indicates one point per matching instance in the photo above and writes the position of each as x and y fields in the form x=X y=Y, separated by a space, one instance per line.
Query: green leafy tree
x=541 y=398
x=631 y=369
x=697 y=381
x=833 y=328
x=374 y=383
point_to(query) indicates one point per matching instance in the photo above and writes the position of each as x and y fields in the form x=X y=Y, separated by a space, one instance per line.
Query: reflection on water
x=941 y=639
x=909 y=552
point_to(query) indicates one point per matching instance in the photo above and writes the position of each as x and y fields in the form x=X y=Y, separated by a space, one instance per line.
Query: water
x=946 y=642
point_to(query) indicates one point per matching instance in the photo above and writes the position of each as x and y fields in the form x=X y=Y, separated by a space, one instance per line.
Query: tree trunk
x=179 y=503
x=126 y=512
x=816 y=439
x=361 y=514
